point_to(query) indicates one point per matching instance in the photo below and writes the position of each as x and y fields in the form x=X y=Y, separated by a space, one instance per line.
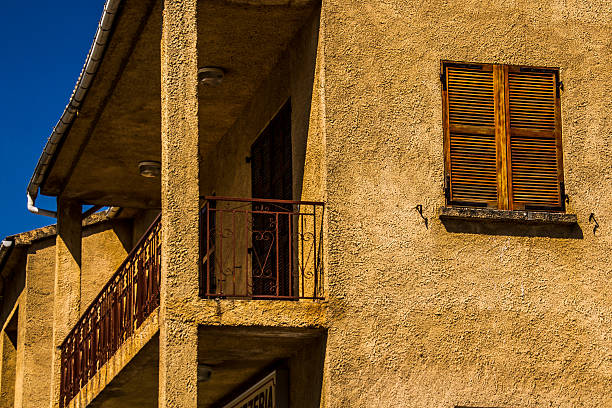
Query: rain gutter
x=92 y=63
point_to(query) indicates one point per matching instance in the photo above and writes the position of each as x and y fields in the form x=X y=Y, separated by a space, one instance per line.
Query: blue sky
x=43 y=48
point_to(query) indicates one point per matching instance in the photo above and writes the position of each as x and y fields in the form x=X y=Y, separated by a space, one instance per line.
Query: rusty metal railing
x=261 y=249
x=122 y=306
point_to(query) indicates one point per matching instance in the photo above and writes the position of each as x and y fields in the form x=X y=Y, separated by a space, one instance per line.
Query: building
x=361 y=204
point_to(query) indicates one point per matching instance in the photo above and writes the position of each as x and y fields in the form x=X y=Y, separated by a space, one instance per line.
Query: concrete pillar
x=67 y=287
x=180 y=205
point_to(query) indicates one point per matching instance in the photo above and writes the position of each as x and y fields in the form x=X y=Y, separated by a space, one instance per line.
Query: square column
x=180 y=205
x=67 y=286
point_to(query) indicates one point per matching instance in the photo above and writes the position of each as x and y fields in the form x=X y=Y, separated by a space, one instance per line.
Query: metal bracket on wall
x=419 y=209
x=592 y=219
x=447 y=194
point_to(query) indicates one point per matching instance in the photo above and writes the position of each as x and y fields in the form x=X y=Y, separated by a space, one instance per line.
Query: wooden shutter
x=534 y=151
x=469 y=115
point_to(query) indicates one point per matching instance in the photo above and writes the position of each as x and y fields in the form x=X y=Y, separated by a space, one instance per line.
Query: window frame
x=502 y=129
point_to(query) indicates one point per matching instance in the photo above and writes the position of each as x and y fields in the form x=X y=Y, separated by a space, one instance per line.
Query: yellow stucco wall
x=225 y=170
x=25 y=379
x=422 y=317
x=7 y=373
x=35 y=340
x=417 y=316
x=105 y=247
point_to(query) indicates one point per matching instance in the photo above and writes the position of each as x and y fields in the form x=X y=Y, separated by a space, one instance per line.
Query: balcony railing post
x=208 y=277
x=290 y=245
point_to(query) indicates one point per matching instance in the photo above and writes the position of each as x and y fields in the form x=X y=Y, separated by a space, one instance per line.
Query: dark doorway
x=272 y=179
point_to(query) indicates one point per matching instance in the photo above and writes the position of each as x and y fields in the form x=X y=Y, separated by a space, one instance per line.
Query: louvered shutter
x=535 y=157
x=471 y=158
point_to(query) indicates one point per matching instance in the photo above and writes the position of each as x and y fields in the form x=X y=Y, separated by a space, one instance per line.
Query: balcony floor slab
x=274 y=313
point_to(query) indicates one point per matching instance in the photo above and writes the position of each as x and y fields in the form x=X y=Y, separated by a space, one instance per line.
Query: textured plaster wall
x=7 y=373
x=67 y=283
x=421 y=317
x=180 y=205
x=12 y=291
x=225 y=170
x=306 y=375
x=105 y=247
x=141 y=223
x=35 y=340
x=28 y=369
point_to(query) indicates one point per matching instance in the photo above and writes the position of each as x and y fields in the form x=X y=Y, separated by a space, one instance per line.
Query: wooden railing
x=122 y=306
x=261 y=249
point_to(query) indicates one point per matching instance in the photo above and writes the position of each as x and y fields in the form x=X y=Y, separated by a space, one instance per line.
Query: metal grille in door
x=271 y=178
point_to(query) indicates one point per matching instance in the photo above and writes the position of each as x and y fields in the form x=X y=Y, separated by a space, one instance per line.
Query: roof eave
x=92 y=64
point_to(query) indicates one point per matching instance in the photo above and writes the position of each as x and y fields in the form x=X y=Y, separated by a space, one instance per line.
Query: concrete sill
x=505 y=216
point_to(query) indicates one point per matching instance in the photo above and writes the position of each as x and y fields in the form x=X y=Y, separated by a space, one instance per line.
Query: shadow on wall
x=122 y=229
x=513 y=229
x=304 y=55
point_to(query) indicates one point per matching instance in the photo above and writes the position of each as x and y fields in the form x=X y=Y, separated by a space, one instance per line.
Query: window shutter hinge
x=443 y=80
x=559 y=87
x=447 y=189
x=564 y=197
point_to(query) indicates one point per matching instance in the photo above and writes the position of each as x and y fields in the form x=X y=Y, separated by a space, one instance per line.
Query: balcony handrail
x=273 y=250
x=119 y=269
x=123 y=304
x=261 y=200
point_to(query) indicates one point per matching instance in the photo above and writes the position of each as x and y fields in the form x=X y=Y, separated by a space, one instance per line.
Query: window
x=502 y=137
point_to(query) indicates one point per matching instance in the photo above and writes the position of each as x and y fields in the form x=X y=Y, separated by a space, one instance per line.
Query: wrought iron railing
x=261 y=249
x=122 y=306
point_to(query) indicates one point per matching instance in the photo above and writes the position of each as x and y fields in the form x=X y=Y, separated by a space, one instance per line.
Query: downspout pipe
x=35 y=210
x=92 y=63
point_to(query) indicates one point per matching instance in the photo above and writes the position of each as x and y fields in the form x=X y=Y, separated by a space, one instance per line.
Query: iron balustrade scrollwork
x=261 y=249
x=125 y=302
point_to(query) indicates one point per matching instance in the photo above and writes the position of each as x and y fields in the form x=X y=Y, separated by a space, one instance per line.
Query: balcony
x=261 y=249
x=250 y=249
x=125 y=302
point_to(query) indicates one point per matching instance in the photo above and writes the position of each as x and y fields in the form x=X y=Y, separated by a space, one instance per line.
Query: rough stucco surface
x=424 y=317
x=306 y=375
x=67 y=283
x=105 y=247
x=7 y=379
x=35 y=344
x=225 y=171
x=417 y=316
x=180 y=205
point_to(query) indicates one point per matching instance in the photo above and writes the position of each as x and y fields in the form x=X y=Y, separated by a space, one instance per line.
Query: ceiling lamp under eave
x=212 y=76
x=149 y=169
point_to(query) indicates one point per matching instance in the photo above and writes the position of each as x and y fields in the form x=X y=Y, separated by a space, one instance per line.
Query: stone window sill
x=505 y=216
